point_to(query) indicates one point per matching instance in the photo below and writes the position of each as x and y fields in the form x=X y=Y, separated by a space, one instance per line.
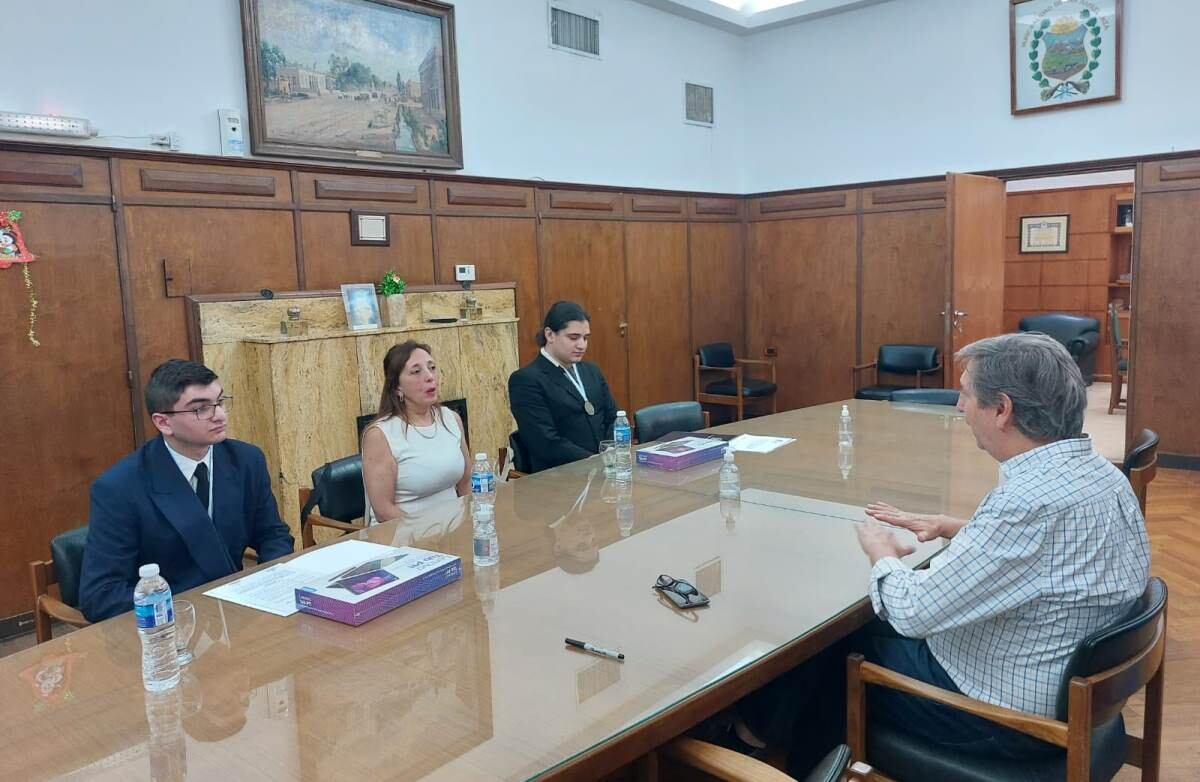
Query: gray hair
x=1040 y=377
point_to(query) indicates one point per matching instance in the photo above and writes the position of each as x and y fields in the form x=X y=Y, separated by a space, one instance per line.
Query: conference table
x=473 y=681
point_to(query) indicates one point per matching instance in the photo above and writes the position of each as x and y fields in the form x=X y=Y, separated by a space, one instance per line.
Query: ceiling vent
x=698 y=104
x=574 y=32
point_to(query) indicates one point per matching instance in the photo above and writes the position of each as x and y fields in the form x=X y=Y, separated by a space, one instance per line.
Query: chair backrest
x=1133 y=634
x=1143 y=453
x=656 y=420
x=907 y=359
x=1114 y=327
x=926 y=396
x=716 y=354
x=520 y=454
x=66 y=549
x=338 y=490
x=1060 y=325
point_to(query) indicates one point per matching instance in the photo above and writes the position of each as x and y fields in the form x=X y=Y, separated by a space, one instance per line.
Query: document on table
x=753 y=443
x=274 y=589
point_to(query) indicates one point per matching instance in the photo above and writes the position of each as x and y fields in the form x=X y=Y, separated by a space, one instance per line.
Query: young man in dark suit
x=190 y=500
x=562 y=403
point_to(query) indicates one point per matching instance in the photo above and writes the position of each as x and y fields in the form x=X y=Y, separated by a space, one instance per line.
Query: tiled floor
x=1107 y=431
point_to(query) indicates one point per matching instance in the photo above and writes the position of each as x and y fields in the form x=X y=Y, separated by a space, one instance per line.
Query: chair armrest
x=730 y=370
x=1043 y=728
x=922 y=372
x=724 y=764
x=315 y=520
x=1084 y=343
x=61 y=611
x=763 y=361
x=858 y=367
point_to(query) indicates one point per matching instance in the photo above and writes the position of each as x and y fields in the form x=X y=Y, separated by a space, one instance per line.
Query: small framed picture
x=362 y=308
x=369 y=228
x=1044 y=234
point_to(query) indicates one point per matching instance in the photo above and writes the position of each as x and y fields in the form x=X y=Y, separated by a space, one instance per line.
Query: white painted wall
x=136 y=67
x=920 y=87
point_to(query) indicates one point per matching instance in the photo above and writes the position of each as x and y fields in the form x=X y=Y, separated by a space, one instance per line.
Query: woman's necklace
x=432 y=422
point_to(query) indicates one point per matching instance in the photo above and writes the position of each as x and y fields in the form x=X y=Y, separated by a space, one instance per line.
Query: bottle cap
x=480 y=455
x=845 y=409
x=729 y=454
x=620 y=413
x=148 y=571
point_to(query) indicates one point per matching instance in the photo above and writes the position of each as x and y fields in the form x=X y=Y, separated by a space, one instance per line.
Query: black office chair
x=926 y=396
x=1141 y=464
x=654 y=421
x=913 y=360
x=1120 y=359
x=338 y=492
x=730 y=766
x=517 y=456
x=1079 y=334
x=1104 y=671
x=63 y=568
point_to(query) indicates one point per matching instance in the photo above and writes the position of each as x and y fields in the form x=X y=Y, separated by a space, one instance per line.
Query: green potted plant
x=391 y=298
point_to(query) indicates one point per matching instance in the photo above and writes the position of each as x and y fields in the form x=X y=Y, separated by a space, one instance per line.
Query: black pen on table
x=595 y=649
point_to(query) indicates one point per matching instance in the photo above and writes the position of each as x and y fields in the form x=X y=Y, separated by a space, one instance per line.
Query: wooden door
x=1164 y=328
x=975 y=225
x=503 y=249
x=176 y=251
x=68 y=401
x=659 y=336
x=903 y=282
x=801 y=304
x=584 y=261
x=718 y=284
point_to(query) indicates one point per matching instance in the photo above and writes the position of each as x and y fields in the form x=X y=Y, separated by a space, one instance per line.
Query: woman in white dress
x=414 y=452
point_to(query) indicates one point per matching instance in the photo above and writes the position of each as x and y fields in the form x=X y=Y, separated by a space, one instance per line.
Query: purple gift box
x=683 y=452
x=358 y=597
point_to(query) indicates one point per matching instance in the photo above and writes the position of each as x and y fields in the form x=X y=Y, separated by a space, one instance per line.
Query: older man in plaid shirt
x=1055 y=553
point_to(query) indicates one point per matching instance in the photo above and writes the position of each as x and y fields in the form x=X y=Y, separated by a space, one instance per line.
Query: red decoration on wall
x=13 y=250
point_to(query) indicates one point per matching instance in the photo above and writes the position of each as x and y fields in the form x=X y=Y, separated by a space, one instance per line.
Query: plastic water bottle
x=155 y=612
x=845 y=427
x=486 y=542
x=845 y=460
x=168 y=750
x=623 y=435
x=483 y=481
x=730 y=481
x=487 y=584
x=625 y=520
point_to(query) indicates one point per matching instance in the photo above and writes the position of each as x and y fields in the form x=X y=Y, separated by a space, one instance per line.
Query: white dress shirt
x=188 y=468
x=571 y=371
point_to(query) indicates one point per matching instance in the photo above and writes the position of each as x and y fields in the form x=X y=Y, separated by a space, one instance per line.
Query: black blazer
x=143 y=510
x=550 y=416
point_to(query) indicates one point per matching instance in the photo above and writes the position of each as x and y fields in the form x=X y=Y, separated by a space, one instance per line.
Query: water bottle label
x=158 y=612
x=482 y=483
x=623 y=435
x=487 y=547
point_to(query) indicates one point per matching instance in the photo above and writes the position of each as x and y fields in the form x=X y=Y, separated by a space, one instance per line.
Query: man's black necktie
x=202 y=484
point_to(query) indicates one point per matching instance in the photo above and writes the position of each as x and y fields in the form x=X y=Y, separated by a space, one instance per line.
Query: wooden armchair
x=1141 y=464
x=1120 y=358
x=338 y=492
x=735 y=390
x=1105 y=670
x=912 y=360
x=729 y=766
x=63 y=568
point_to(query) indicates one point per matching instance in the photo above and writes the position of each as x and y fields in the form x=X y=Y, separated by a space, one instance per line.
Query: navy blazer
x=143 y=510
x=550 y=416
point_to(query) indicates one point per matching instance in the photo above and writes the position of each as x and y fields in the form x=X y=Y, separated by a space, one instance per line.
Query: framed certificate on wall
x=1044 y=234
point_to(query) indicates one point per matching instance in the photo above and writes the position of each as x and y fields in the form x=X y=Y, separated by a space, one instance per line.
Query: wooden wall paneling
x=658 y=304
x=718 y=284
x=801 y=301
x=808 y=204
x=975 y=235
x=584 y=261
x=1165 y=331
x=903 y=282
x=475 y=198
x=52 y=177
x=226 y=250
x=702 y=209
x=1179 y=174
x=392 y=194
x=68 y=400
x=654 y=207
x=592 y=205
x=330 y=260
x=503 y=249
x=907 y=196
x=145 y=181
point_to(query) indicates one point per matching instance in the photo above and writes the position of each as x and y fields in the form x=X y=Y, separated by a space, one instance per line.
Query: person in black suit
x=190 y=500
x=562 y=403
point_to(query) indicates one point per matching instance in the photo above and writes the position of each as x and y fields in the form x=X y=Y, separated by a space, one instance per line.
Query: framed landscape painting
x=1063 y=53
x=364 y=80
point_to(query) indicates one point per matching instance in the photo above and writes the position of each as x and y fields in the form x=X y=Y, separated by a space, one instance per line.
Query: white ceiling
x=750 y=16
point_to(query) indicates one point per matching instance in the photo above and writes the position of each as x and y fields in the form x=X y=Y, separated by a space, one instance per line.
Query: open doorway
x=1079 y=267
